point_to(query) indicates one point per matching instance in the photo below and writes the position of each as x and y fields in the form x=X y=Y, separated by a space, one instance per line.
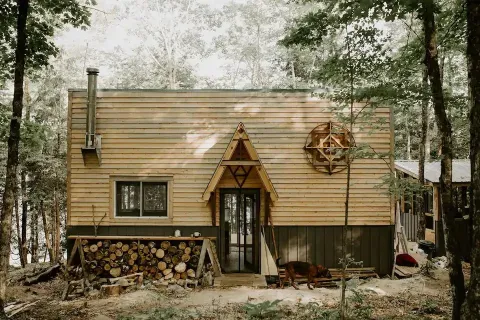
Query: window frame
x=167 y=181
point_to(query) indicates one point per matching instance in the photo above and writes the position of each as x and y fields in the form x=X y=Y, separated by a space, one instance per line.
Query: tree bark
x=46 y=230
x=58 y=253
x=343 y=302
x=23 y=185
x=472 y=305
x=19 y=238
x=445 y=131
x=23 y=179
x=12 y=157
x=421 y=162
x=409 y=139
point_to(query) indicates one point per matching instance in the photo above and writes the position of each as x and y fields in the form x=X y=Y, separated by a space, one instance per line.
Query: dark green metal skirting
x=323 y=245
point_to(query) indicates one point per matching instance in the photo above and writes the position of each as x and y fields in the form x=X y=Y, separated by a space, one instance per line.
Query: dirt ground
x=413 y=298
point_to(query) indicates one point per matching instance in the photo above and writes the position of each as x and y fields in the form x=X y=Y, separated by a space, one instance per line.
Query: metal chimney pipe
x=91 y=107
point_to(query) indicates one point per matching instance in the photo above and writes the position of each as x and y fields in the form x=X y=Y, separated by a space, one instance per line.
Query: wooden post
x=201 y=261
x=82 y=259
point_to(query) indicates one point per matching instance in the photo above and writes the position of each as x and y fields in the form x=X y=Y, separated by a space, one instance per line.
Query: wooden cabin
x=231 y=164
x=433 y=214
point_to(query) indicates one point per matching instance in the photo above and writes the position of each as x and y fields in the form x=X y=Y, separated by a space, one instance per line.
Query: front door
x=239 y=227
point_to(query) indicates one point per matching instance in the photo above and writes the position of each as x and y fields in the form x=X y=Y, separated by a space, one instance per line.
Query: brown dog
x=306 y=269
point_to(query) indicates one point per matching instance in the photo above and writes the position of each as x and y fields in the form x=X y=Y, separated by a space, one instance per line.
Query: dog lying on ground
x=306 y=269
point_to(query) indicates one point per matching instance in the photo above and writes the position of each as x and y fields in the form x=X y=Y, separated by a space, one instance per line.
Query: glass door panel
x=238 y=216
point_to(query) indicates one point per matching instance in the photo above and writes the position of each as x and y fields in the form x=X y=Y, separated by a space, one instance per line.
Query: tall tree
x=421 y=161
x=449 y=209
x=472 y=308
x=35 y=24
x=12 y=158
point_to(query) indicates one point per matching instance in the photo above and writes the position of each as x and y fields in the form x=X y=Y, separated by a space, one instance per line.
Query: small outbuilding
x=434 y=229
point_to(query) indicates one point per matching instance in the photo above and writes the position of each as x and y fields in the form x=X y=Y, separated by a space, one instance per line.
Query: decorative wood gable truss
x=240 y=169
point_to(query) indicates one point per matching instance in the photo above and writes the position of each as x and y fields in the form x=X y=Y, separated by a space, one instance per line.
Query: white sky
x=106 y=33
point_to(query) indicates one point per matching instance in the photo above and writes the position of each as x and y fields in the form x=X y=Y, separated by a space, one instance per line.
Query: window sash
x=140 y=209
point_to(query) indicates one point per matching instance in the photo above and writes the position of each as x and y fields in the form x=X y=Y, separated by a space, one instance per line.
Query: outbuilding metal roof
x=460 y=174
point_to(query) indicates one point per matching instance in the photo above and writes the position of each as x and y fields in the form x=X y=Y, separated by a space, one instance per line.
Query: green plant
x=172 y=313
x=313 y=310
x=357 y=307
x=429 y=307
x=263 y=310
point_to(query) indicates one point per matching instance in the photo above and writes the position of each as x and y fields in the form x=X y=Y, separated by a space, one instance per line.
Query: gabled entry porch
x=239 y=194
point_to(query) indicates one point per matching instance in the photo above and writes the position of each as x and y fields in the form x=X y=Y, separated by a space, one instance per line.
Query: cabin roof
x=460 y=174
x=286 y=90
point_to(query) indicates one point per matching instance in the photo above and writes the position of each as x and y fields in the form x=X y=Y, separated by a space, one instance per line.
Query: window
x=141 y=199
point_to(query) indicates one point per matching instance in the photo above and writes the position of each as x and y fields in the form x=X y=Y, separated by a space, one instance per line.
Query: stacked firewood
x=157 y=260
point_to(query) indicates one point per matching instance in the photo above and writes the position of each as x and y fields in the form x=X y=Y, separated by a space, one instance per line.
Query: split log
x=160 y=253
x=169 y=276
x=191 y=273
x=115 y=272
x=165 y=245
x=111 y=290
x=98 y=255
x=181 y=267
x=167 y=271
x=162 y=265
x=43 y=276
x=196 y=250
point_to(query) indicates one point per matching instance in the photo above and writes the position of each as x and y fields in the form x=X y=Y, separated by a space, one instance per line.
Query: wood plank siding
x=182 y=136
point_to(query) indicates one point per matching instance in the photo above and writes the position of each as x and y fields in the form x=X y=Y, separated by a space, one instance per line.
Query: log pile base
x=361 y=273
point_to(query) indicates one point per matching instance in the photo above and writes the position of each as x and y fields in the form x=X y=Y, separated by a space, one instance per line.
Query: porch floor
x=241 y=279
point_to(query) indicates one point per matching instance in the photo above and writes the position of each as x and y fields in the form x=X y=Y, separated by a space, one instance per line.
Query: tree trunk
x=48 y=244
x=409 y=139
x=421 y=162
x=343 y=303
x=445 y=131
x=34 y=236
x=294 y=79
x=58 y=251
x=472 y=306
x=23 y=178
x=19 y=238
x=23 y=184
x=12 y=157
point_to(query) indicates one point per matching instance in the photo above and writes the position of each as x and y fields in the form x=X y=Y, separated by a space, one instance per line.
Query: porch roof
x=460 y=174
x=240 y=135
